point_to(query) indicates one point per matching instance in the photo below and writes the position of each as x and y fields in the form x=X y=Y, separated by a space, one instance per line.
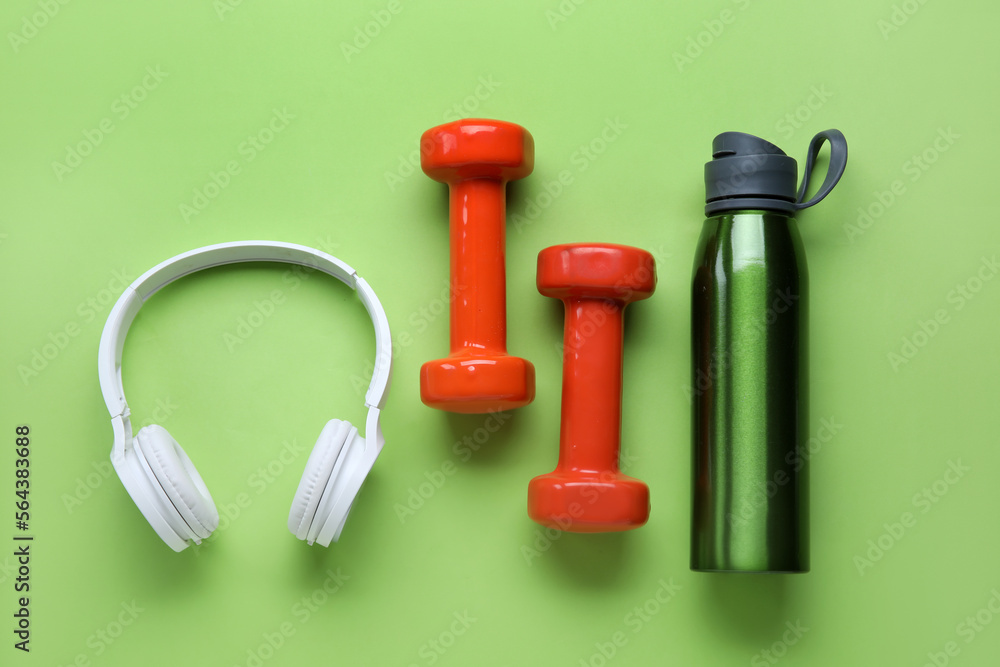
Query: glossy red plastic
x=476 y=158
x=587 y=493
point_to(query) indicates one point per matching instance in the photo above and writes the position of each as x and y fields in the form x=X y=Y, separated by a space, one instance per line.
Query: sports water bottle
x=750 y=382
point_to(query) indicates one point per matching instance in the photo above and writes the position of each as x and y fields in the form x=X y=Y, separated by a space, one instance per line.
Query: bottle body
x=749 y=326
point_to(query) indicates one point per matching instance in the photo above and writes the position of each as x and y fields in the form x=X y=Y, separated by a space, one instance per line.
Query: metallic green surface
x=750 y=394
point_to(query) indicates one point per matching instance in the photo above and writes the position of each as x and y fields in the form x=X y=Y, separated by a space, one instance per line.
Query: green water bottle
x=750 y=382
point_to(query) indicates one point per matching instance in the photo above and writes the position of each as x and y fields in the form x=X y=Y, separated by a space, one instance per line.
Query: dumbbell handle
x=477 y=212
x=590 y=433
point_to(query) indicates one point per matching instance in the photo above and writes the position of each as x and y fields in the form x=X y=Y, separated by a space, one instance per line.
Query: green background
x=336 y=177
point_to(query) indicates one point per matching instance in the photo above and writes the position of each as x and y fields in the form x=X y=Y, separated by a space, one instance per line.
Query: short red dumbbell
x=476 y=158
x=587 y=493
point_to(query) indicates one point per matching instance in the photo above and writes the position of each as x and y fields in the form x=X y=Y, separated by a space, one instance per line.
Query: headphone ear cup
x=176 y=474
x=319 y=468
x=343 y=490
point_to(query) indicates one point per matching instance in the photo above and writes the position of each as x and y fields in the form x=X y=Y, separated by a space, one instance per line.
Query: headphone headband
x=164 y=273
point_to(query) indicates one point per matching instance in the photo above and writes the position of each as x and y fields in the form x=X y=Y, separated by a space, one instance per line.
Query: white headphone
x=160 y=477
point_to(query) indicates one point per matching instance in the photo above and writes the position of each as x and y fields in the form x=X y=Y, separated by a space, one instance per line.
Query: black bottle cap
x=747 y=172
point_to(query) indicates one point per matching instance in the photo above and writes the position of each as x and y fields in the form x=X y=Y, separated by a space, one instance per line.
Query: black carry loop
x=838 y=162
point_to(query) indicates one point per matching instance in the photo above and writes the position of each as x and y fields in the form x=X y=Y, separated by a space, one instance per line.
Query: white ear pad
x=150 y=498
x=343 y=489
x=176 y=475
x=321 y=466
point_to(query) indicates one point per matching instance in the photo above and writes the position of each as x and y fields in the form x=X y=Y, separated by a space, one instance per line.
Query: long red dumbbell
x=587 y=493
x=476 y=158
